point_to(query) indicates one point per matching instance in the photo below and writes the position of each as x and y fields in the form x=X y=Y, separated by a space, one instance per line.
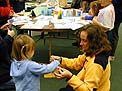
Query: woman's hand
x=6 y=27
x=62 y=73
x=11 y=33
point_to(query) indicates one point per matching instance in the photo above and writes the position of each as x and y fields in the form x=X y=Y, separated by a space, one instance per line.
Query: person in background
x=93 y=65
x=52 y=3
x=8 y=2
x=18 y=5
x=76 y=4
x=95 y=6
x=118 y=20
x=5 y=12
x=106 y=19
x=106 y=16
x=6 y=81
x=85 y=5
x=25 y=72
x=92 y=9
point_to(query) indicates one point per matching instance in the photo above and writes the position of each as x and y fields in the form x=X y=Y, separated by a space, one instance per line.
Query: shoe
x=111 y=58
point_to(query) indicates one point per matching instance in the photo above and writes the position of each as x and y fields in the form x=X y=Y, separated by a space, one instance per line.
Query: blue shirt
x=26 y=74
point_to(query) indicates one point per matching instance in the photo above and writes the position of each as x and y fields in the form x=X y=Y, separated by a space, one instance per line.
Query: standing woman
x=6 y=81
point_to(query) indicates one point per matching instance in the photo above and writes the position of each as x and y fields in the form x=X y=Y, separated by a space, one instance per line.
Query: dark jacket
x=5 y=50
x=76 y=4
x=17 y=5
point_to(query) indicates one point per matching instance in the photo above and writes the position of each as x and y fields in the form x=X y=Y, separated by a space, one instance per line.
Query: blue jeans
x=7 y=85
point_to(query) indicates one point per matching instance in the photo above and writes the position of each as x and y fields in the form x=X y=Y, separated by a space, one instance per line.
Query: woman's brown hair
x=98 y=41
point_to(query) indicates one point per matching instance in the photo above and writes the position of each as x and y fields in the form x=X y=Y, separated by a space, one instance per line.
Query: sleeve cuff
x=69 y=78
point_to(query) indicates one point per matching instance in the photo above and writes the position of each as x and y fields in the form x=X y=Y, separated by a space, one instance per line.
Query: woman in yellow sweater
x=93 y=65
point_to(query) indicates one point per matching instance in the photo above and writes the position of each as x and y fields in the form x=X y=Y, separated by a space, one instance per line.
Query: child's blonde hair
x=23 y=47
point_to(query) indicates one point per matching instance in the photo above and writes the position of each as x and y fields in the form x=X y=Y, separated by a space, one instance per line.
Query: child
x=94 y=10
x=106 y=19
x=26 y=73
x=106 y=16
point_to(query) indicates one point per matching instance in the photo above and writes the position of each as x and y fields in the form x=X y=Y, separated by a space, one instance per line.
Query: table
x=50 y=24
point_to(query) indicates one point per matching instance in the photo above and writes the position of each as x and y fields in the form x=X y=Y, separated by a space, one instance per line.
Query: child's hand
x=52 y=58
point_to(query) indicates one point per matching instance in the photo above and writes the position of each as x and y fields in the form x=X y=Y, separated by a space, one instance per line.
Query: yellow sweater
x=94 y=74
